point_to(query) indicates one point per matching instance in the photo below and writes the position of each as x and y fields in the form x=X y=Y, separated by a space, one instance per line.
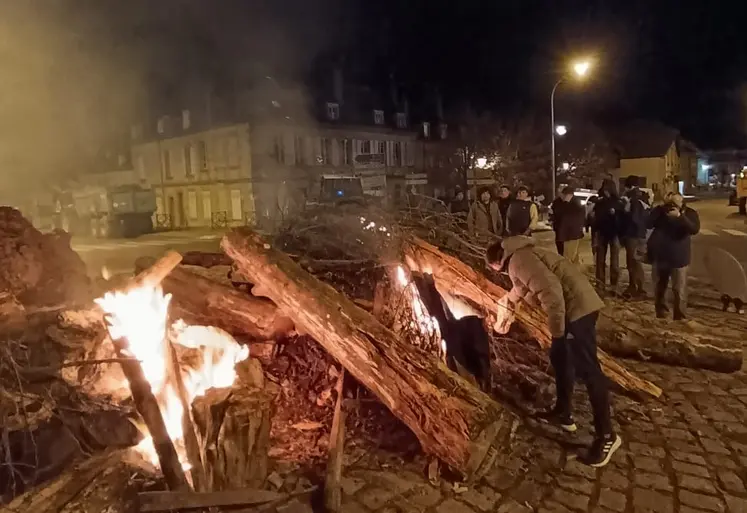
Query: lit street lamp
x=580 y=70
x=561 y=130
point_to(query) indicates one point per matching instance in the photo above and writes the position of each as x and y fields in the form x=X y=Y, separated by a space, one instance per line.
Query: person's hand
x=674 y=212
x=505 y=315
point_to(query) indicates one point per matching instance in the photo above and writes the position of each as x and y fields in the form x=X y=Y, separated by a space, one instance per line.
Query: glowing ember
x=426 y=324
x=140 y=316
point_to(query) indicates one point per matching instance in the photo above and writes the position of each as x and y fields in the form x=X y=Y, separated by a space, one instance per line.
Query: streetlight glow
x=581 y=68
x=561 y=130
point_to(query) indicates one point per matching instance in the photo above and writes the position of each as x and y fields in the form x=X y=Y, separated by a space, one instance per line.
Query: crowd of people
x=554 y=281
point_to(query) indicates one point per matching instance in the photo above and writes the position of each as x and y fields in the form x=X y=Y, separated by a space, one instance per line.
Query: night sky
x=74 y=71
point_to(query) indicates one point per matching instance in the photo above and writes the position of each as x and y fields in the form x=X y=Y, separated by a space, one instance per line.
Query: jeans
x=604 y=243
x=678 y=276
x=635 y=250
x=575 y=355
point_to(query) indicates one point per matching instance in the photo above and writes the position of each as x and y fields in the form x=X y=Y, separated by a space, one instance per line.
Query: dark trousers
x=635 y=249
x=560 y=246
x=678 y=276
x=604 y=245
x=575 y=355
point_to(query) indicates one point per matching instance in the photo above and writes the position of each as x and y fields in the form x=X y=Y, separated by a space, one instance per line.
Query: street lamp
x=580 y=70
x=561 y=130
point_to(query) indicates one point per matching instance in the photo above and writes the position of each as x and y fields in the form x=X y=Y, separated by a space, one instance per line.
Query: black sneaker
x=564 y=420
x=601 y=451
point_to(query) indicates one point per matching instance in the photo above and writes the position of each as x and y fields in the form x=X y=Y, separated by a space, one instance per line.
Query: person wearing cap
x=636 y=207
x=548 y=281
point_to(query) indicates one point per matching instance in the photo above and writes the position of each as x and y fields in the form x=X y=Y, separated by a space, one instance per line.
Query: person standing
x=669 y=249
x=522 y=215
x=635 y=220
x=548 y=281
x=459 y=204
x=504 y=201
x=589 y=212
x=556 y=208
x=484 y=218
x=569 y=224
x=606 y=223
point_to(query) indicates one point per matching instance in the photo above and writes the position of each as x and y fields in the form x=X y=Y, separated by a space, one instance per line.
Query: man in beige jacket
x=546 y=280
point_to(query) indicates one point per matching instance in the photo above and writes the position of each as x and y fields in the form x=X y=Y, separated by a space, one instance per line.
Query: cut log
x=100 y=484
x=450 y=418
x=204 y=259
x=456 y=279
x=626 y=333
x=234 y=429
x=201 y=301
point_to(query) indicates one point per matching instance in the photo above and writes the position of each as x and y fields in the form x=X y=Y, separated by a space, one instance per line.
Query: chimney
x=393 y=91
x=338 y=85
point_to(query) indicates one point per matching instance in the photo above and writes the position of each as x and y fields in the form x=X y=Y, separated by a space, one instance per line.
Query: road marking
x=735 y=232
x=706 y=231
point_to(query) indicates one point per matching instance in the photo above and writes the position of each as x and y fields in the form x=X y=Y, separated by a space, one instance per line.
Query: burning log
x=201 y=301
x=450 y=418
x=142 y=394
x=456 y=279
x=625 y=333
x=234 y=427
x=102 y=483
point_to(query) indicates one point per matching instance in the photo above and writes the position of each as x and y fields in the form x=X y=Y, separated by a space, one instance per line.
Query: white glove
x=504 y=315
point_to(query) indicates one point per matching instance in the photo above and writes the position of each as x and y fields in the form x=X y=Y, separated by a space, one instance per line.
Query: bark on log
x=201 y=301
x=457 y=279
x=624 y=333
x=102 y=484
x=204 y=259
x=234 y=429
x=451 y=419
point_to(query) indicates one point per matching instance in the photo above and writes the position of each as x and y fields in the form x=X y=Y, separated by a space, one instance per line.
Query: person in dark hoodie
x=568 y=222
x=606 y=221
x=635 y=220
x=459 y=203
x=548 y=281
x=674 y=224
x=504 y=201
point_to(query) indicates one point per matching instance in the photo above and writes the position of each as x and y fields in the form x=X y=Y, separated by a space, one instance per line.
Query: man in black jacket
x=606 y=221
x=674 y=224
x=504 y=200
x=569 y=218
x=635 y=218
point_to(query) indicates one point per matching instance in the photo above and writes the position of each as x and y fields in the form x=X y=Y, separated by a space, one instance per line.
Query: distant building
x=721 y=167
x=648 y=150
x=688 y=172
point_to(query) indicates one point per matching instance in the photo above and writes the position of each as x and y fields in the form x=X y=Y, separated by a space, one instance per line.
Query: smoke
x=62 y=91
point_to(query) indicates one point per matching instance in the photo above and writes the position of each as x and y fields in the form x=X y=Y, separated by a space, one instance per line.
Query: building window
x=188 y=160
x=346 y=156
x=140 y=165
x=298 y=149
x=279 y=149
x=167 y=164
x=207 y=206
x=192 y=204
x=161 y=125
x=442 y=128
x=381 y=147
x=327 y=150
x=426 y=129
x=236 y=207
x=333 y=111
x=397 y=154
x=379 y=117
x=186 y=120
x=366 y=147
x=401 y=120
x=202 y=155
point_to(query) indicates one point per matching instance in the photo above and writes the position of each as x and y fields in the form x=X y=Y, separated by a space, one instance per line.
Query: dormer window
x=426 y=129
x=378 y=117
x=401 y=120
x=333 y=111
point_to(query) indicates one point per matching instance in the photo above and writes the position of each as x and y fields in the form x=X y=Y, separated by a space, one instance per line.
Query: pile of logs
x=227 y=430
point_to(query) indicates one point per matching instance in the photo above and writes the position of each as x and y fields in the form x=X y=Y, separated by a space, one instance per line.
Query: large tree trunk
x=201 y=301
x=625 y=333
x=101 y=484
x=452 y=419
x=456 y=279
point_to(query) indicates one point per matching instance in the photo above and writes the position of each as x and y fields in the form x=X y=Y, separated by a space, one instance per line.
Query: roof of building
x=643 y=139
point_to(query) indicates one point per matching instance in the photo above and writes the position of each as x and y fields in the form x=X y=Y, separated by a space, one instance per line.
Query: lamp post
x=580 y=70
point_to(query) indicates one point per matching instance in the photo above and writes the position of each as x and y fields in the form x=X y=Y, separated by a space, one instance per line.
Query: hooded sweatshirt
x=547 y=280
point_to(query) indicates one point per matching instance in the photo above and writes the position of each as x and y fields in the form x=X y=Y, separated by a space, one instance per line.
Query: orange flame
x=140 y=316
